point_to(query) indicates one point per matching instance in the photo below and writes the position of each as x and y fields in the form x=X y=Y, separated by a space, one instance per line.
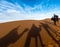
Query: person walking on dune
x=55 y=18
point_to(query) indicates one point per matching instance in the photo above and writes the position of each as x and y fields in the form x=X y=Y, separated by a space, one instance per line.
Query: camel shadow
x=11 y=37
x=34 y=32
x=46 y=27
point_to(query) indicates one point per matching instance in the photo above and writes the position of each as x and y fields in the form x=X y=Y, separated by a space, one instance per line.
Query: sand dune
x=30 y=33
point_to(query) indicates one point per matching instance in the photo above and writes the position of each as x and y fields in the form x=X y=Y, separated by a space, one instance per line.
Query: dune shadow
x=11 y=37
x=46 y=27
x=35 y=33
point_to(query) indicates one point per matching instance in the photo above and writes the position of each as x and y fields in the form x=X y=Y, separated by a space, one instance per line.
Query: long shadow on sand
x=46 y=27
x=34 y=32
x=11 y=37
x=52 y=24
x=54 y=31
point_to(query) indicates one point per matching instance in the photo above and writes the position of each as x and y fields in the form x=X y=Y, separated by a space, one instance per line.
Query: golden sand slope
x=30 y=33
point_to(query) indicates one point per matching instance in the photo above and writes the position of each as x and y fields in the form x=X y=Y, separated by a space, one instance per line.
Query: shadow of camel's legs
x=34 y=32
x=36 y=41
x=42 y=45
x=28 y=40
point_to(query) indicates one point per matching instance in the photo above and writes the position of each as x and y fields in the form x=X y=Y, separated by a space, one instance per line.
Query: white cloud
x=16 y=12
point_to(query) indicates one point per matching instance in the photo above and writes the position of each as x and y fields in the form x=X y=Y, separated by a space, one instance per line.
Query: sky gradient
x=11 y=10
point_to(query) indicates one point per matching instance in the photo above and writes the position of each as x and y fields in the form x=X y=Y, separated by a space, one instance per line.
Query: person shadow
x=34 y=32
x=11 y=37
x=47 y=28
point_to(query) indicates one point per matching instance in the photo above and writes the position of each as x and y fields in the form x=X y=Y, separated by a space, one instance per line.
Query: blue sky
x=11 y=10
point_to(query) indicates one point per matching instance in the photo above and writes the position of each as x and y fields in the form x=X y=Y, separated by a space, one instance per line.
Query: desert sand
x=30 y=33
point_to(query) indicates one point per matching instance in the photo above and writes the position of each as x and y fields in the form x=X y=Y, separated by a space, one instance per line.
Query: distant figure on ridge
x=55 y=18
